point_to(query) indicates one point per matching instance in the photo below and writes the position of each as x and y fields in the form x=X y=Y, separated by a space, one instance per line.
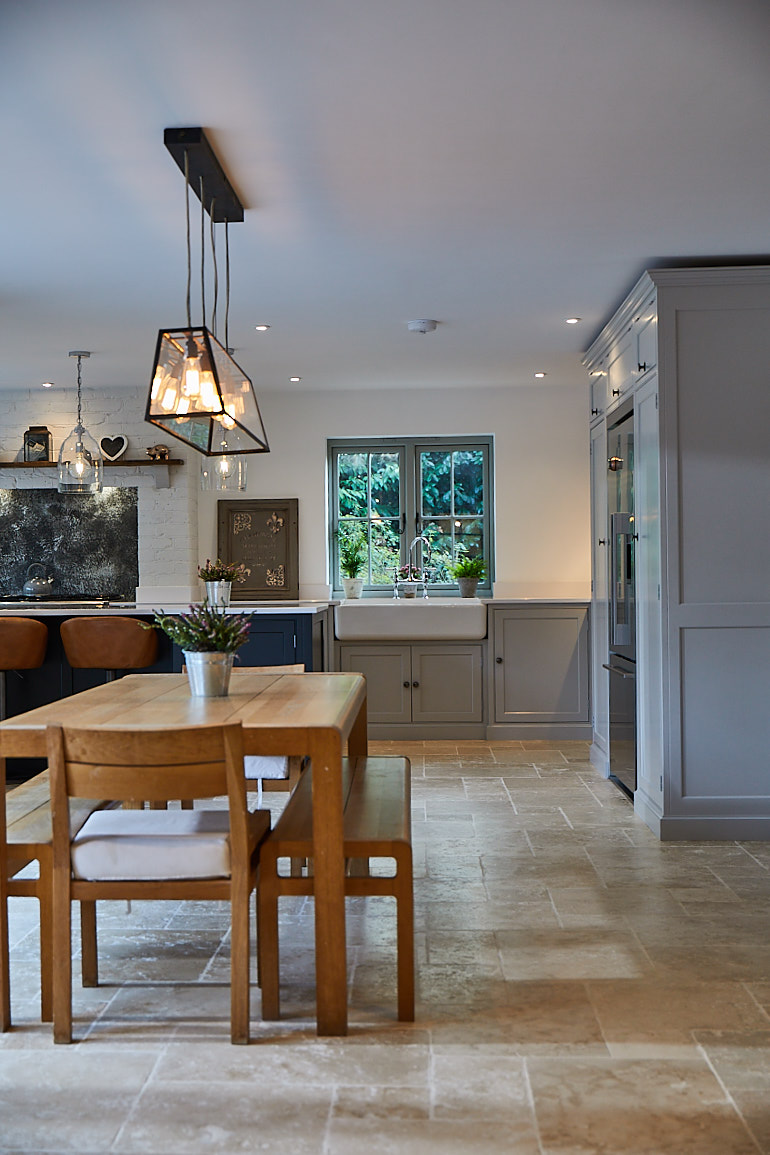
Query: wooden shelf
x=107 y=464
x=161 y=477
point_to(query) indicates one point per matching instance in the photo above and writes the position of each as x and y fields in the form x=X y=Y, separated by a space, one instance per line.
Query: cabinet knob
x=415 y=684
x=406 y=685
x=642 y=368
x=616 y=393
x=499 y=661
x=594 y=412
x=602 y=541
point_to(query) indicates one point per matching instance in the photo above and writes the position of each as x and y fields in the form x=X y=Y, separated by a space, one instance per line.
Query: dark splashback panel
x=89 y=543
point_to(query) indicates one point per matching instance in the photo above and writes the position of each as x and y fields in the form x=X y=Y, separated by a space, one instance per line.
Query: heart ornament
x=113 y=447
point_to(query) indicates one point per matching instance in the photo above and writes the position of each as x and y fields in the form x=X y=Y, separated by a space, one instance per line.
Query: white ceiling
x=498 y=165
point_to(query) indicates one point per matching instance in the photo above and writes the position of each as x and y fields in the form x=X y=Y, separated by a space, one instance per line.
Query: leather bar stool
x=23 y=643
x=107 y=643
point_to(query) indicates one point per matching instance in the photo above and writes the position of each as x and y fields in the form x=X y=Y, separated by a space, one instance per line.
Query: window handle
x=402 y=525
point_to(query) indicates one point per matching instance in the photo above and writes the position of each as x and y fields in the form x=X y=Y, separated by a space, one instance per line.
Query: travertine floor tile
x=582 y=989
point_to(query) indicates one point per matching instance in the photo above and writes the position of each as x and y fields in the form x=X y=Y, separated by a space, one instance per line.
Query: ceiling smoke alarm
x=423 y=326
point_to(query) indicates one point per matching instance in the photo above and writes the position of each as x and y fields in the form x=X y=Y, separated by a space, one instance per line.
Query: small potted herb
x=468 y=572
x=353 y=553
x=219 y=577
x=209 y=639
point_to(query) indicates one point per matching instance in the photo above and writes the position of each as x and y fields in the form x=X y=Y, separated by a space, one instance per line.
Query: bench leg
x=267 y=948
x=89 y=955
x=239 y=961
x=405 y=935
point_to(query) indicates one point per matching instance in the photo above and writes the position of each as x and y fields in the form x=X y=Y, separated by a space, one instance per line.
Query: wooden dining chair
x=151 y=854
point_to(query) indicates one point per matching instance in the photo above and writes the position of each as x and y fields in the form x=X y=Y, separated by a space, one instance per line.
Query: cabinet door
x=649 y=627
x=621 y=366
x=647 y=341
x=388 y=673
x=446 y=684
x=600 y=634
x=272 y=642
x=541 y=664
x=599 y=388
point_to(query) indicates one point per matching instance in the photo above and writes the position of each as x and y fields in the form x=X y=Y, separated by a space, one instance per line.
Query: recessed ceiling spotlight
x=295 y=378
x=261 y=328
x=540 y=374
x=47 y=384
x=573 y=320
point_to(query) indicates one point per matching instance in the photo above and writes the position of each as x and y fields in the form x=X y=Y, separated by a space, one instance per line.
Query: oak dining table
x=316 y=715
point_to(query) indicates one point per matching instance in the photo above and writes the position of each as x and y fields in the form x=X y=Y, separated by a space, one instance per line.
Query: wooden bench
x=377 y=824
x=28 y=838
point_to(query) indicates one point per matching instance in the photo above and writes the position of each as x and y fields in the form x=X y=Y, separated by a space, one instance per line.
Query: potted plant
x=468 y=572
x=409 y=578
x=219 y=577
x=209 y=639
x=353 y=552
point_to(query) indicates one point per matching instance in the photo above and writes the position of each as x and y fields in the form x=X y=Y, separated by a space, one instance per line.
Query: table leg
x=329 y=884
x=5 y=976
x=358 y=740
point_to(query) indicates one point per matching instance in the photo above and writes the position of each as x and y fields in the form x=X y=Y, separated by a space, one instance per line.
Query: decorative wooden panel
x=263 y=535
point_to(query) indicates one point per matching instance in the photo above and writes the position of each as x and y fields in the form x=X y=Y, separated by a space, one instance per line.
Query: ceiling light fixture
x=198 y=393
x=421 y=326
x=261 y=328
x=80 y=459
x=295 y=379
x=47 y=384
x=541 y=374
x=573 y=320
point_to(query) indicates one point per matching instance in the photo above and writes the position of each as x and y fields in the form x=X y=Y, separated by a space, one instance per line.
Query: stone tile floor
x=582 y=988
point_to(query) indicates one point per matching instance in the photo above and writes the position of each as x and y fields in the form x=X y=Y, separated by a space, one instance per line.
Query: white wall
x=541 y=472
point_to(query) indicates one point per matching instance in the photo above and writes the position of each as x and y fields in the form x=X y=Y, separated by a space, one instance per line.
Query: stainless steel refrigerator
x=621 y=661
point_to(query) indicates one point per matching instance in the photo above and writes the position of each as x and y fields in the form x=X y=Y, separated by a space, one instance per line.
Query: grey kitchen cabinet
x=419 y=684
x=540 y=664
x=702 y=494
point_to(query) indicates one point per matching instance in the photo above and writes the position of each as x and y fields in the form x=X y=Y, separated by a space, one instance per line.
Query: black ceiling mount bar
x=203 y=163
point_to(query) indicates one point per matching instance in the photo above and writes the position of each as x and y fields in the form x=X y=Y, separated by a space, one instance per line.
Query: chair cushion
x=153 y=844
x=266 y=766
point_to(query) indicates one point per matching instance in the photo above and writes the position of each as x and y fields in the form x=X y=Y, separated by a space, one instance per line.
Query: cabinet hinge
x=661 y=784
x=658 y=591
x=592 y=585
x=656 y=401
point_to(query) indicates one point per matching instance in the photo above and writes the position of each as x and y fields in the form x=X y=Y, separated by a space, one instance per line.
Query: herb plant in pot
x=353 y=552
x=219 y=577
x=468 y=572
x=209 y=639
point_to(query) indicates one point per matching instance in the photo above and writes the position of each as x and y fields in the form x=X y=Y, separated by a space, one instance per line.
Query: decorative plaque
x=263 y=535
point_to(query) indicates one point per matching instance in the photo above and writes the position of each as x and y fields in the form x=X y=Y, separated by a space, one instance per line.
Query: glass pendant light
x=80 y=458
x=198 y=393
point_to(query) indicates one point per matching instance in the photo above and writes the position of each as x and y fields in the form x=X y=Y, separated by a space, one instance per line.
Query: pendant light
x=80 y=458
x=198 y=393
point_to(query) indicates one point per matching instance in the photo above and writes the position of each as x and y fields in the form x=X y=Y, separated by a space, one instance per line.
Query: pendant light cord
x=216 y=270
x=187 y=220
x=203 y=256
x=80 y=422
x=227 y=287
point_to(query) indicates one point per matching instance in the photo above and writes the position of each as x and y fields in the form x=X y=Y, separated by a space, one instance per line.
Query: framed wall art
x=263 y=535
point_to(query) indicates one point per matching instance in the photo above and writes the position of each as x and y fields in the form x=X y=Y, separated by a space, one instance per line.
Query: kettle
x=36 y=586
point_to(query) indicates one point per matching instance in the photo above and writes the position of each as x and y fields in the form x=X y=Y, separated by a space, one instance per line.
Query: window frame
x=410 y=511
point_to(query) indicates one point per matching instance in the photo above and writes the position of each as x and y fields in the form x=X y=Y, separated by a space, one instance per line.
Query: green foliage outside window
x=376 y=499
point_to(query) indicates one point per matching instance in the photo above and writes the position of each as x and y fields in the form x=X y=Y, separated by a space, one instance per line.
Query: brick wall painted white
x=168 y=518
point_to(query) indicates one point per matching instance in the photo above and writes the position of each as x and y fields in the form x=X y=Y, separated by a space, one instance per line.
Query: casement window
x=390 y=491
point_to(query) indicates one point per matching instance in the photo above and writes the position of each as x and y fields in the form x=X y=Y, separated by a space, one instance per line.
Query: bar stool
x=23 y=643
x=106 y=643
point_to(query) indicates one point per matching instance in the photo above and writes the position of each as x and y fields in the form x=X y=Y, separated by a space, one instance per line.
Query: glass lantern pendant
x=80 y=459
x=200 y=394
